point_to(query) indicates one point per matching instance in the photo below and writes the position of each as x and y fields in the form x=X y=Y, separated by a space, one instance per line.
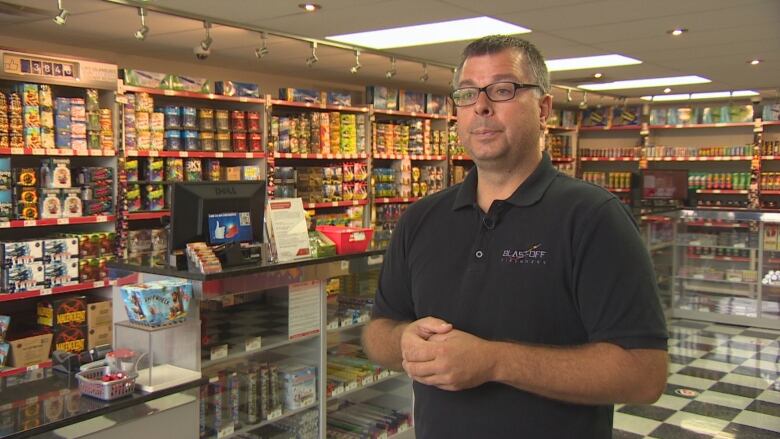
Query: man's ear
x=545 y=109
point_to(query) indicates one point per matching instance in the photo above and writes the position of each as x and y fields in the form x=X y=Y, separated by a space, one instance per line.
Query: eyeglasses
x=497 y=92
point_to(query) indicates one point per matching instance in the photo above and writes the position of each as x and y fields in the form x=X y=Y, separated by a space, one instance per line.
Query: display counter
x=43 y=402
x=727 y=266
x=279 y=346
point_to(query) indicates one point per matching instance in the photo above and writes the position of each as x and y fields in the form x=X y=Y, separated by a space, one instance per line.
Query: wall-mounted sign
x=59 y=70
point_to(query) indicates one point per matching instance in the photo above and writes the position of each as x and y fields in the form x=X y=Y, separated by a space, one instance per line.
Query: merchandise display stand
x=295 y=319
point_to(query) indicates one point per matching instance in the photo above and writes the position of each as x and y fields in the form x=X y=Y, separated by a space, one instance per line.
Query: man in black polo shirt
x=521 y=302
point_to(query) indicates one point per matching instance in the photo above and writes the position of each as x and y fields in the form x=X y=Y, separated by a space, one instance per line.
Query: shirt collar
x=527 y=194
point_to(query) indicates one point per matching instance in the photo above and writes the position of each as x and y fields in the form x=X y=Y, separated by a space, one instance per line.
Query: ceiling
x=722 y=36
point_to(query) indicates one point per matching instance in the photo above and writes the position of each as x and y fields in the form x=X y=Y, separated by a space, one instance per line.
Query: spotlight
x=598 y=75
x=584 y=104
x=203 y=50
x=667 y=90
x=62 y=16
x=262 y=51
x=677 y=32
x=310 y=7
x=424 y=77
x=354 y=69
x=140 y=34
x=390 y=73
x=312 y=59
x=754 y=62
x=568 y=95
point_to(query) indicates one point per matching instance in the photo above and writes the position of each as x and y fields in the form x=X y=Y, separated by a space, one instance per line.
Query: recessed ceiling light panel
x=310 y=7
x=431 y=33
x=644 y=83
x=677 y=32
x=590 y=62
x=700 y=96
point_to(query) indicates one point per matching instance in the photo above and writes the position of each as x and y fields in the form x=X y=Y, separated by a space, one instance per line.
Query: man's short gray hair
x=498 y=43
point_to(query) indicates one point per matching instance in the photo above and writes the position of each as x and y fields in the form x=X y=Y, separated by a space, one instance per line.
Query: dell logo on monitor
x=227 y=190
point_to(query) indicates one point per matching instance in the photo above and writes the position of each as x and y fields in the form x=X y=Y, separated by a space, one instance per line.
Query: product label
x=219 y=352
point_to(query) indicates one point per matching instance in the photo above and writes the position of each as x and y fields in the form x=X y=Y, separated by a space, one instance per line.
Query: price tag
x=338 y=390
x=368 y=380
x=61 y=221
x=254 y=344
x=169 y=93
x=345 y=265
x=275 y=414
x=17 y=151
x=121 y=99
x=29 y=223
x=219 y=155
x=184 y=154
x=101 y=218
x=334 y=204
x=5 y=224
x=375 y=260
x=153 y=154
x=383 y=374
x=333 y=325
x=45 y=292
x=98 y=284
x=219 y=352
x=243 y=99
x=739 y=245
x=414 y=114
x=698 y=276
x=351 y=386
x=364 y=318
x=32 y=400
x=403 y=428
x=33 y=367
x=213 y=379
x=38 y=151
x=229 y=300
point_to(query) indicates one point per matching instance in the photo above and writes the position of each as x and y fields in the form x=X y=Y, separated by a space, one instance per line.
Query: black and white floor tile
x=724 y=383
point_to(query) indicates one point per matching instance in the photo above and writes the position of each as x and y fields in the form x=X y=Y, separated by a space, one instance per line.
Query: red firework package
x=68 y=312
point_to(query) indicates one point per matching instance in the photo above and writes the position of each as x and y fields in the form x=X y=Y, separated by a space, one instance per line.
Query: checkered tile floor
x=724 y=383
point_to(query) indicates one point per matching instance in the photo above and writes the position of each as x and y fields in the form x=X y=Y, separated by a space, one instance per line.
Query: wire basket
x=91 y=384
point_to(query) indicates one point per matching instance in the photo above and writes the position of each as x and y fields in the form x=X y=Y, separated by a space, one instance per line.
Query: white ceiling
x=723 y=35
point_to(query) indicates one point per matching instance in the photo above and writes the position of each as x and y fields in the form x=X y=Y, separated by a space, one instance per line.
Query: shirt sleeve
x=393 y=298
x=615 y=283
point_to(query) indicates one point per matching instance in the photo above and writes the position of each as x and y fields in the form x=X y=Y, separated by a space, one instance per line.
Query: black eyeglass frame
x=517 y=86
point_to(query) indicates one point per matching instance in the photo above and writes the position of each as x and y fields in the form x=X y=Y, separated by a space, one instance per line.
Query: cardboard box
x=21 y=252
x=100 y=314
x=30 y=350
x=770 y=237
x=67 y=312
x=70 y=339
x=59 y=273
x=411 y=101
x=100 y=335
x=235 y=88
x=60 y=249
x=25 y=277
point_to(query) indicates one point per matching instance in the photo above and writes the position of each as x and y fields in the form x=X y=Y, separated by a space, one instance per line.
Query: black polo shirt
x=560 y=262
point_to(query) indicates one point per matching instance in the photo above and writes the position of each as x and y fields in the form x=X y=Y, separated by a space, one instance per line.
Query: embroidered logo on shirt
x=533 y=255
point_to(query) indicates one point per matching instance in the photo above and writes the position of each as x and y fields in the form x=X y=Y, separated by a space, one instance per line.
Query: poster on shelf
x=304 y=309
x=288 y=230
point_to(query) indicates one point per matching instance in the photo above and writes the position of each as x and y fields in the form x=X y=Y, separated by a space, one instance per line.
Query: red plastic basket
x=348 y=239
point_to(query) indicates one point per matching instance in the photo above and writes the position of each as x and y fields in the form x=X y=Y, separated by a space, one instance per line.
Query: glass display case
x=279 y=345
x=726 y=267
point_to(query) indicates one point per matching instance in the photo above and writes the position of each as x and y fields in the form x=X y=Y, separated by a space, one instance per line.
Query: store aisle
x=724 y=382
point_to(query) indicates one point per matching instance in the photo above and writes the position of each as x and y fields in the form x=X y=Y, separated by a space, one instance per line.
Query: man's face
x=500 y=131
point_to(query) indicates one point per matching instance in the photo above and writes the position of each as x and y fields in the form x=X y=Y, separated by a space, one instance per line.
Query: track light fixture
x=357 y=65
x=390 y=73
x=584 y=104
x=62 y=15
x=203 y=50
x=140 y=34
x=312 y=59
x=424 y=77
x=262 y=51
x=568 y=95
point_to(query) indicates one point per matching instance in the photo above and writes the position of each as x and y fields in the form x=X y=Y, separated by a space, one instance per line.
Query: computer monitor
x=667 y=184
x=217 y=212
